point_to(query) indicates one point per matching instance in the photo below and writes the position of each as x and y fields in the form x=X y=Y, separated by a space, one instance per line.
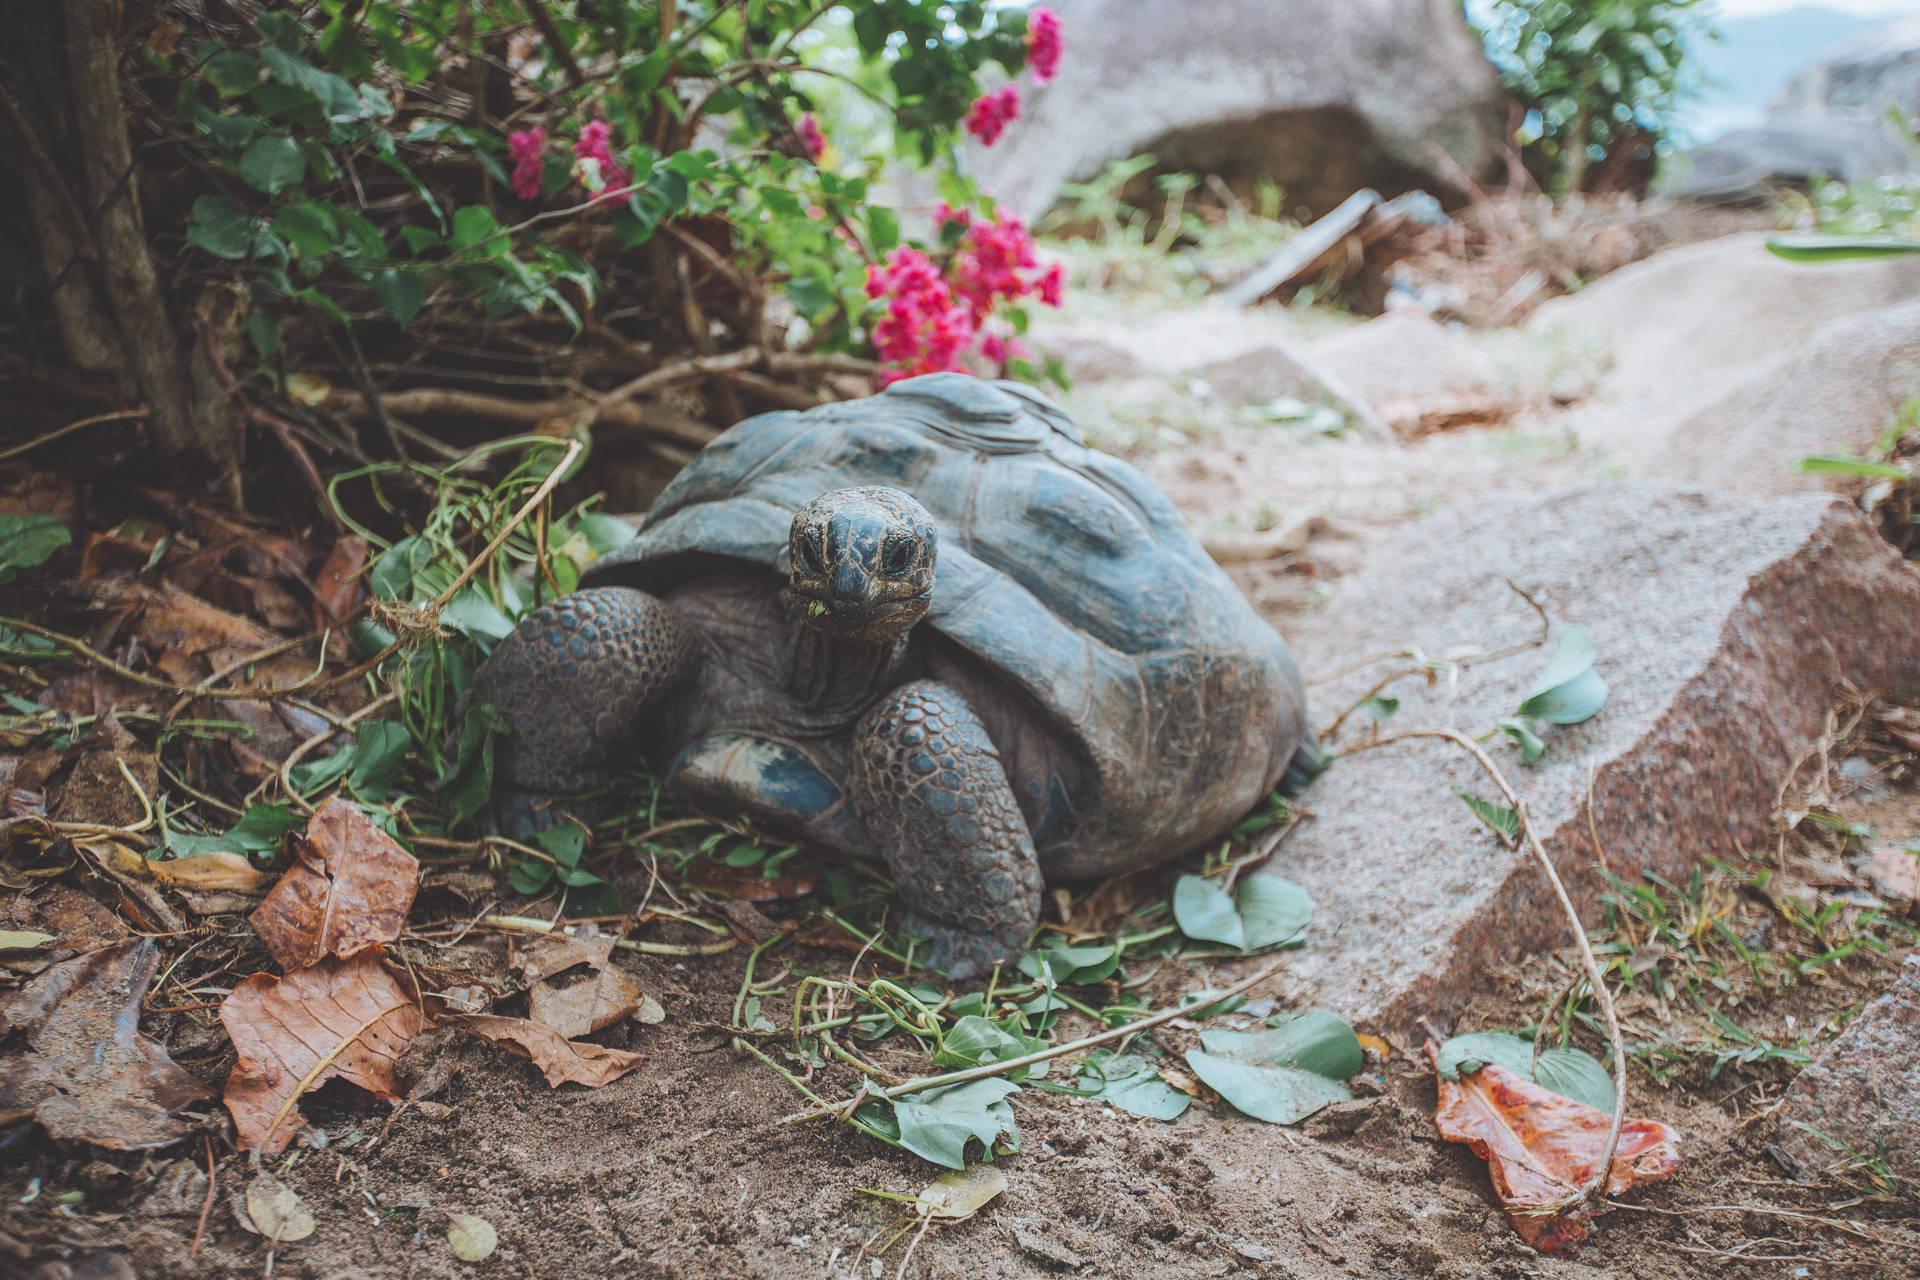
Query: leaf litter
x=349 y=888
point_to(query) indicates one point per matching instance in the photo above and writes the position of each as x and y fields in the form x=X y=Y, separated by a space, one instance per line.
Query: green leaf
x=1378 y=709
x=883 y=227
x=1203 y=1004
x=1133 y=1085
x=1847 y=465
x=220 y=229
x=231 y=72
x=472 y=224
x=936 y=1125
x=1573 y=1073
x=1318 y=1042
x=1568 y=690
x=1278 y=1095
x=690 y=165
x=474 y=616
x=565 y=842
x=469 y=784
x=1839 y=248
x=227 y=130
x=974 y=1041
x=1471 y=1052
x=808 y=296
x=641 y=77
x=605 y=533
x=263 y=330
x=1273 y=912
x=1522 y=731
x=380 y=748
x=400 y=293
x=1576 y=700
x=1501 y=820
x=392 y=575
x=781 y=201
x=26 y=541
x=1205 y=913
x=272 y=164
x=309 y=227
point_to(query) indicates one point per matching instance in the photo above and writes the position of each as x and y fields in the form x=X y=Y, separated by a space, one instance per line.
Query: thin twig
x=293 y=757
x=1263 y=852
x=1014 y=1064
x=206 y=1208
x=1598 y=1181
x=121 y=415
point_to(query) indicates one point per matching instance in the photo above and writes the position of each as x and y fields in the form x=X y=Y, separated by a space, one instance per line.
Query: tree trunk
x=112 y=196
x=36 y=131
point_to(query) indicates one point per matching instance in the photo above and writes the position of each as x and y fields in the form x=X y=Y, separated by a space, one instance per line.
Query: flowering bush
x=377 y=164
x=934 y=316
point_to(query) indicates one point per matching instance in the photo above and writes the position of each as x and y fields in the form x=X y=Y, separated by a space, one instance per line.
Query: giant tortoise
x=931 y=627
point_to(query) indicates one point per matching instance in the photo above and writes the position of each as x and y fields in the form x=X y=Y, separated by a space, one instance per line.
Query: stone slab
x=1720 y=624
x=1862 y=1093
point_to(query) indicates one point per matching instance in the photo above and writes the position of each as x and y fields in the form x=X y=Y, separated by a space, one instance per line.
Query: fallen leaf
x=650 y=1012
x=86 y=1073
x=471 y=1238
x=955 y=1195
x=1541 y=1147
x=1285 y=1073
x=346 y=1018
x=749 y=883
x=561 y=1060
x=539 y=957
x=336 y=588
x=276 y=1211
x=1375 y=1043
x=585 y=1007
x=204 y=872
x=349 y=889
x=16 y=940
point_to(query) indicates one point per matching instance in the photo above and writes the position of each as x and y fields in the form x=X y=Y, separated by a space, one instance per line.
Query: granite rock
x=1861 y=1096
x=1720 y=625
x=1415 y=373
x=1323 y=99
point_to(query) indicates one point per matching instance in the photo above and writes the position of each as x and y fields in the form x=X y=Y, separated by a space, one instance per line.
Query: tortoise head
x=862 y=564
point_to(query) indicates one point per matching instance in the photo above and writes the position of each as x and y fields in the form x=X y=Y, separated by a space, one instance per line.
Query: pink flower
x=991 y=113
x=1043 y=44
x=999 y=348
x=527 y=148
x=593 y=144
x=1053 y=285
x=943 y=213
x=810 y=136
x=991 y=264
x=924 y=329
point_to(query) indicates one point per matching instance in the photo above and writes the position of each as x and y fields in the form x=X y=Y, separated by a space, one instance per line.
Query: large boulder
x=1832 y=120
x=1721 y=625
x=1324 y=99
x=1704 y=340
x=1861 y=1097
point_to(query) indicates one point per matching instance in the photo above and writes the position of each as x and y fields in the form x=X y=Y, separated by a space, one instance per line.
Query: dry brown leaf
x=750 y=884
x=1541 y=1147
x=561 y=1060
x=540 y=957
x=602 y=1000
x=336 y=588
x=86 y=1073
x=205 y=872
x=349 y=888
x=346 y=1018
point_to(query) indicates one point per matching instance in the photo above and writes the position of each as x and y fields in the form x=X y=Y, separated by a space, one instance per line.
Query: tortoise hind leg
x=573 y=680
x=928 y=785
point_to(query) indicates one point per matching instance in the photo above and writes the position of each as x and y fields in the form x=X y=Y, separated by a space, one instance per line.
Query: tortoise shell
x=1062 y=569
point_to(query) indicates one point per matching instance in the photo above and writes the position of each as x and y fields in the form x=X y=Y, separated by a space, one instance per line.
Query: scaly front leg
x=573 y=680
x=927 y=782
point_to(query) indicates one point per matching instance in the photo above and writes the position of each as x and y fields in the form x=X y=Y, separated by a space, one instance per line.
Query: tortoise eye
x=809 y=550
x=899 y=558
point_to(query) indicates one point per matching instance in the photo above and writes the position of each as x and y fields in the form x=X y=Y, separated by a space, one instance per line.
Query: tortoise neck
x=835 y=680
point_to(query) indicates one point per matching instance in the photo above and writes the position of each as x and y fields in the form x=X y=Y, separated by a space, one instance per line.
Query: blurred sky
x=1864 y=8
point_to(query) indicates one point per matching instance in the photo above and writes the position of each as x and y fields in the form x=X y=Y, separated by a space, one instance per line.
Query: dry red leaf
x=1541 y=1147
x=86 y=1073
x=561 y=1060
x=349 y=889
x=336 y=588
x=585 y=1007
x=346 y=1018
x=749 y=884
